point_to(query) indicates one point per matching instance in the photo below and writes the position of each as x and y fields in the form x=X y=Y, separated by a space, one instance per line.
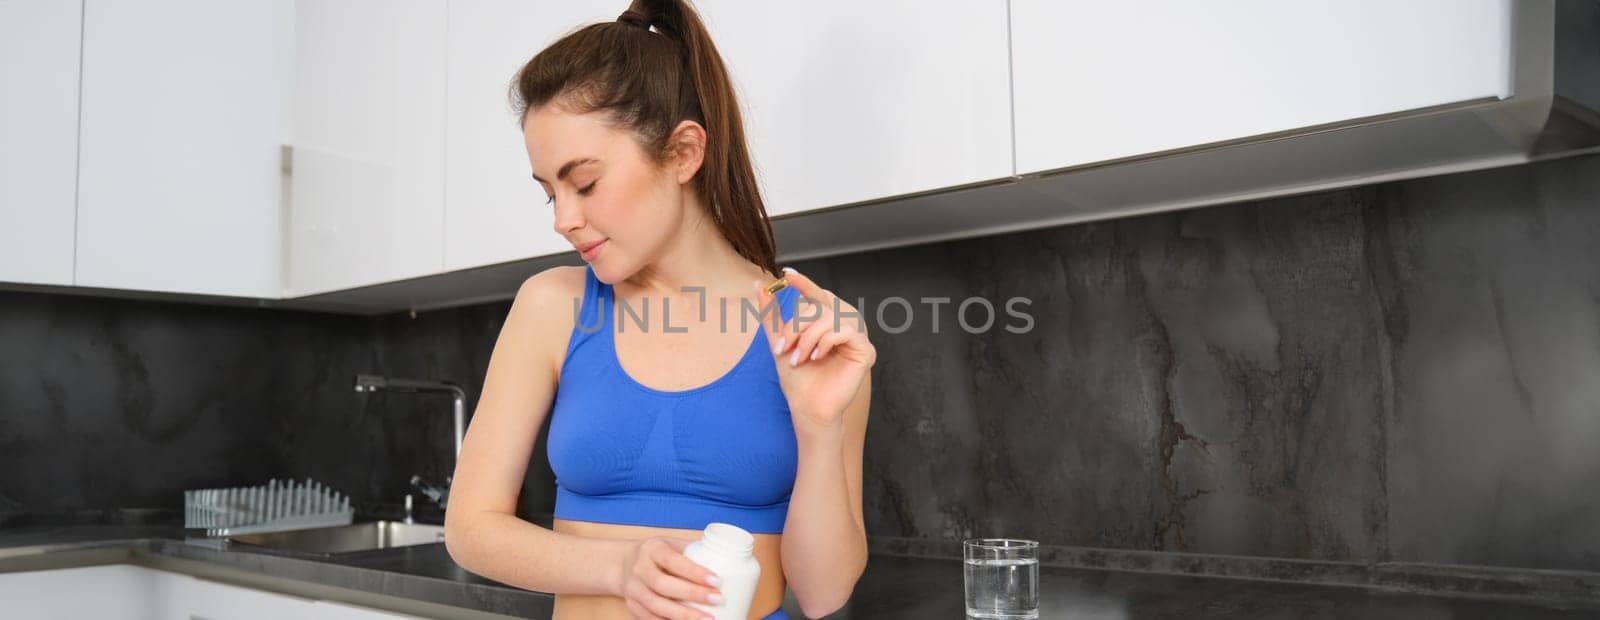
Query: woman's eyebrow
x=567 y=167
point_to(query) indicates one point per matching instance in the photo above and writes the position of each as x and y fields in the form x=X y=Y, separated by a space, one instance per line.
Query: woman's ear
x=688 y=147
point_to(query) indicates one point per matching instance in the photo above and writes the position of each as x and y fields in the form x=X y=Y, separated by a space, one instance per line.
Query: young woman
x=700 y=412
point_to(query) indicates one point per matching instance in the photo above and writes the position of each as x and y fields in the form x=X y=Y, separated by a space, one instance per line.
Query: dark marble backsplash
x=1407 y=371
x=117 y=403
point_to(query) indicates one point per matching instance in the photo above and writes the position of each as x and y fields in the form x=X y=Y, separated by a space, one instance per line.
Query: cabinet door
x=179 y=182
x=200 y=599
x=119 y=591
x=368 y=175
x=1096 y=81
x=854 y=101
x=186 y=596
x=192 y=597
x=494 y=210
x=329 y=610
x=843 y=102
x=39 y=128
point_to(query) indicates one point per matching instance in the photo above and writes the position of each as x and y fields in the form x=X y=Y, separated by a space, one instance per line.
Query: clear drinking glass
x=1002 y=578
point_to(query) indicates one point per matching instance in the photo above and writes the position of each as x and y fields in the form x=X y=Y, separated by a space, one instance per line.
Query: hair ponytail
x=649 y=81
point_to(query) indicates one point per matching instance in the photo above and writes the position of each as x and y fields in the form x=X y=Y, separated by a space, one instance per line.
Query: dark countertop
x=423 y=579
x=418 y=573
x=899 y=587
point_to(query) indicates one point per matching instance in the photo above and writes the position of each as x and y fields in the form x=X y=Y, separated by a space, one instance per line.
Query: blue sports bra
x=626 y=453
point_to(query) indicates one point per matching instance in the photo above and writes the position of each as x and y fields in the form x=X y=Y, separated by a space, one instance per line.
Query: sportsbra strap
x=590 y=312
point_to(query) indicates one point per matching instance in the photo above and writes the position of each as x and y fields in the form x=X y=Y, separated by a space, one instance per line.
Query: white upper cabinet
x=854 y=101
x=153 y=159
x=1097 y=81
x=367 y=201
x=843 y=102
x=39 y=127
x=179 y=173
x=494 y=210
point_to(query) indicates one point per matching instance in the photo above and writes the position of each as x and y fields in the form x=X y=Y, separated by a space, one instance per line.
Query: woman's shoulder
x=545 y=301
x=551 y=295
x=561 y=281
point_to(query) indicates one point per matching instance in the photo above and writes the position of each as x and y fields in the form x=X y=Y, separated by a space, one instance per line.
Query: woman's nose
x=567 y=219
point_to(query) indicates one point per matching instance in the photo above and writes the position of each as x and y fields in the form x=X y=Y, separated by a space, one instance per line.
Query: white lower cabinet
x=127 y=592
x=118 y=591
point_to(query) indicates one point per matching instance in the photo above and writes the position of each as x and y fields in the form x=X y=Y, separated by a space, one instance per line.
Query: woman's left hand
x=830 y=355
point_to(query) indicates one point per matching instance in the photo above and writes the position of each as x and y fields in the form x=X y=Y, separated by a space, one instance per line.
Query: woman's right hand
x=656 y=576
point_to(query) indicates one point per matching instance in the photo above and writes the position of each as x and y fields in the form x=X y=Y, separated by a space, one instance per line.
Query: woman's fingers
x=679 y=589
x=797 y=340
x=807 y=341
x=661 y=606
x=660 y=578
x=827 y=332
x=804 y=284
x=640 y=613
x=827 y=343
x=683 y=579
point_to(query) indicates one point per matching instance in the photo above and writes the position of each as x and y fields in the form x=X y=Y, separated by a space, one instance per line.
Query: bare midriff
x=769 y=590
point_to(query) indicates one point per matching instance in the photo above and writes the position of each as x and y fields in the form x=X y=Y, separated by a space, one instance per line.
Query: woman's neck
x=701 y=260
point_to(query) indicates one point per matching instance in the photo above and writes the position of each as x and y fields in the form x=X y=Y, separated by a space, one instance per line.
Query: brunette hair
x=647 y=81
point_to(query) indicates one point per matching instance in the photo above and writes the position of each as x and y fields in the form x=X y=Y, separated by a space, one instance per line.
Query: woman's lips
x=593 y=251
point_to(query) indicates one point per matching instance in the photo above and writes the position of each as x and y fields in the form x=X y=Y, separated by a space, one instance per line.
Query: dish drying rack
x=272 y=507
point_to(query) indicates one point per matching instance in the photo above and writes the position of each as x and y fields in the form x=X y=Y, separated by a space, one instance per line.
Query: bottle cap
x=730 y=538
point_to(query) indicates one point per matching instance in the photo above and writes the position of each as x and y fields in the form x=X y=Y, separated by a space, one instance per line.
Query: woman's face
x=602 y=188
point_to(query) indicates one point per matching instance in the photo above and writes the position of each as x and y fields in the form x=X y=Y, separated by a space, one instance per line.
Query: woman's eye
x=583 y=192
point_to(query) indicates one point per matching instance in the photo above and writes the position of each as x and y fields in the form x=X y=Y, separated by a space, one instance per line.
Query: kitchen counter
x=900 y=587
x=417 y=579
x=423 y=580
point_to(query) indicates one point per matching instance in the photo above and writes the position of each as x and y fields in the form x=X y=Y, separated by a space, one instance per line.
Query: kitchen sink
x=346 y=538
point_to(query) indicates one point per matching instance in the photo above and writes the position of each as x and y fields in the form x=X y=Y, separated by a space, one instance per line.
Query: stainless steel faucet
x=373 y=383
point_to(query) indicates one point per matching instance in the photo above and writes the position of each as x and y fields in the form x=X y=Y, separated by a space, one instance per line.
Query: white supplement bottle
x=726 y=550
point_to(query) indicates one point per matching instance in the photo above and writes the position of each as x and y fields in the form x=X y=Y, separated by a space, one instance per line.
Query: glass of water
x=1002 y=578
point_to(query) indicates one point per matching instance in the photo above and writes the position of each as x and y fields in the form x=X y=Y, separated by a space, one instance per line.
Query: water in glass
x=1002 y=579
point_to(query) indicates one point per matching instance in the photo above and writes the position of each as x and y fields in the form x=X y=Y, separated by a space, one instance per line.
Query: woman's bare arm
x=482 y=532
